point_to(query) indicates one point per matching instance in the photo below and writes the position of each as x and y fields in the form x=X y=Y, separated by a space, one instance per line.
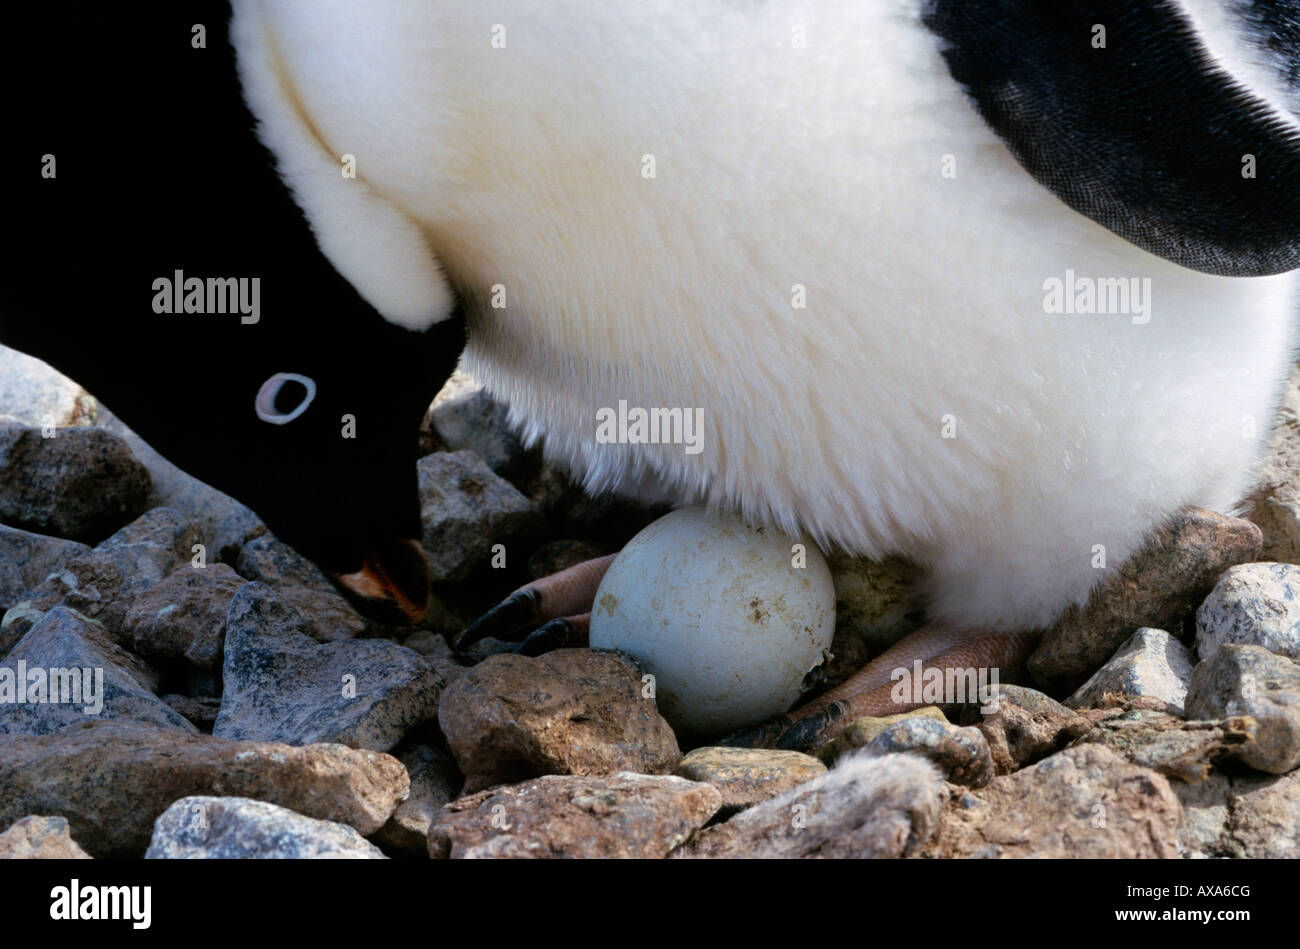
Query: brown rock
x=40 y=838
x=434 y=780
x=1024 y=725
x=747 y=776
x=861 y=731
x=183 y=616
x=624 y=815
x=572 y=711
x=26 y=559
x=1264 y=817
x=1168 y=744
x=962 y=754
x=875 y=599
x=1275 y=504
x=112 y=779
x=865 y=807
x=1157 y=586
x=1250 y=680
x=1082 y=802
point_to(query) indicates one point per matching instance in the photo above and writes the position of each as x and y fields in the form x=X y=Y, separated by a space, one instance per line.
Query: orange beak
x=392 y=586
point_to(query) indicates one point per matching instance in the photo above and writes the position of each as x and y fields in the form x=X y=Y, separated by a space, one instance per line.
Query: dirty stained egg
x=728 y=618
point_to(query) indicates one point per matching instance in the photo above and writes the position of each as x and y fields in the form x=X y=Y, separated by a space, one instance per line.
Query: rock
x=608 y=520
x=36 y=394
x=1023 y=725
x=1150 y=663
x=1205 y=815
x=860 y=732
x=571 y=711
x=222 y=523
x=1263 y=818
x=747 y=776
x=1163 y=580
x=466 y=509
x=282 y=685
x=112 y=779
x=848 y=655
x=81 y=673
x=201 y=712
x=1254 y=604
x=875 y=599
x=434 y=781
x=1084 y=802
x=1168 y=744
x=237 y=828
x=438 y=651
x=1275 y=504
x=1250 y=680
x=865 y=807
x=300 y=583
x=26 y=559
x=81 y=484
x=560 y=555
x=622 y=815
x=40 y=838
x=962 y=754
x=103 y=583
x=466 y=418
x=183 y=616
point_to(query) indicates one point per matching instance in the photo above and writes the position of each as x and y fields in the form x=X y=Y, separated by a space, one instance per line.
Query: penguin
x=993 y=286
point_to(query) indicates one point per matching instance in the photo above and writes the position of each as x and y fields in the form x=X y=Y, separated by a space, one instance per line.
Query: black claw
x=764 y=735
x=557 y=634
x=503 y=621
x=807 y=733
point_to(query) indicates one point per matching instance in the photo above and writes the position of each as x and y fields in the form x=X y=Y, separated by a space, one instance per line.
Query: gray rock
x=466 y=509
x=103 y=583
x=466 y=418
x=747 y=776
x=621 y=815
x=81 y=484
x=1205 y=815
x=1166 y=578
x=865 y=807
x=1250 y=680
x=876 y=600
x=1166 y=743
x=282 y=685
x=1275 y=505
x=962 y=754
x=26 y=559
x=1150 y=663
x=302 y=585
x=237 y=828
x=36 y=394
x=111 y=779
x=571 y=711
x=40 y=838
x=183 y=616
x=222 y=522
x=1022 y=725
x=434 y=782
x=1254 y=604
x=1252 y=817
x=82 y=674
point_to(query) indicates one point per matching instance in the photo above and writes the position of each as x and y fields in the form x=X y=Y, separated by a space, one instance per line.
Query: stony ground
x=250 y=711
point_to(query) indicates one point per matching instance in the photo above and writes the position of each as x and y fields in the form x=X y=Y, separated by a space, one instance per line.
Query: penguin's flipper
x=1178 y=136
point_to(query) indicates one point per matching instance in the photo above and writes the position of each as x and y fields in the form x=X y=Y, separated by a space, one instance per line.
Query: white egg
x=728 y=618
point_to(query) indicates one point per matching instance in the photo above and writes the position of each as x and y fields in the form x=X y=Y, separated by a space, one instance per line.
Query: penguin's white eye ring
x=265 y=404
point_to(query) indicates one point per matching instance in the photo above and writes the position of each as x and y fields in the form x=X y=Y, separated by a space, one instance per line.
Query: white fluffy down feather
x=524 y=168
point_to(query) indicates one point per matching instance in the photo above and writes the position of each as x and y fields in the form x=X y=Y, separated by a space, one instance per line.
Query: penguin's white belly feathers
x=651 y=187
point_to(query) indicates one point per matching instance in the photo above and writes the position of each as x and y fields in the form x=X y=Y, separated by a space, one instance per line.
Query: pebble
x=467 y=510
x=865 y=807
x=81 y=484
x=621 y=815
x=1250 y=680
x=1254 y=817
x=466 y=417
x=875 y=599
x=103 y=583
x=111 y=779
x=860 y=732
x=962 y=754
x=1254 y=604
x=1150 y=663
x=237 y=828
x=1168 y=744
x=26 y=559
x=104 y=680
x=1161 y=582
x=36 y=394
x=280 y=684
x=302 y=585
x=748 y=776
x=571 y=711
x=434 y=782
x=1275 y=504
x=1085 y=802
x=183 y=616
x=40 y=838
x=1023 y=725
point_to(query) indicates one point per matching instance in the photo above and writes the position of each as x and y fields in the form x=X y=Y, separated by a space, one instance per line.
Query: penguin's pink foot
x=561 y=603
x=958 y=655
